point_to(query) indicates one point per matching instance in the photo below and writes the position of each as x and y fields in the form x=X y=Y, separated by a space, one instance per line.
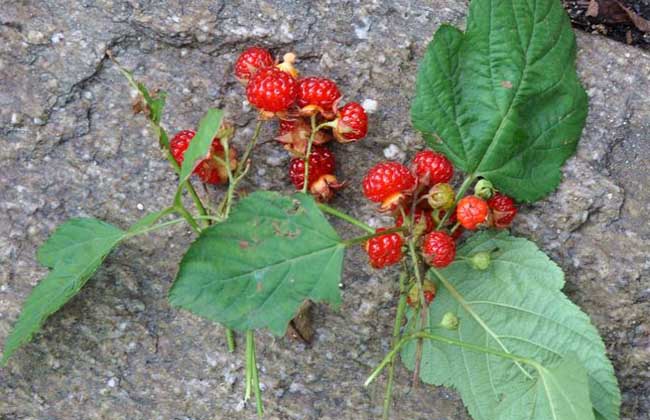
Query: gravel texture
x=71 y=147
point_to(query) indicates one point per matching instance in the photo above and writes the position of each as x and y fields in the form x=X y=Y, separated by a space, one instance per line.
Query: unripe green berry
x=449 y=321
x=484 y=189
x=480 y=261
x=441 y=196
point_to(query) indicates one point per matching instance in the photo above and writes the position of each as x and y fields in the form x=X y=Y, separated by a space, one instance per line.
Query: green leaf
x=74 y=251
x=503 y=100
x=255 y=269
x=560 y=392
x=200 y=145
x=515 y=306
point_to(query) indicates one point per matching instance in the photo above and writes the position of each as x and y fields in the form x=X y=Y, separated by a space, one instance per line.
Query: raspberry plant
x=477 y=309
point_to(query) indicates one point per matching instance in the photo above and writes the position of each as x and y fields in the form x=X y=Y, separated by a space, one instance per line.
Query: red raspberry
x=209 y=170
x=439 y=249
x=471 y=211
x=321 y=162
x=317 y=94
x=351 y=123
x=432 y=168
x=272 y=90
x=388 y=183
x=322 y=182
x=419 y=214
x=503 y=210
x=251 y=60
x=384 y=250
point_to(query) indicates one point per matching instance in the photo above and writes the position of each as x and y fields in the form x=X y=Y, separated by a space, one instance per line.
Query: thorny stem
x=399 y=319
x=250 y=147
x=434 y=337
x=305 y=184
x=461 y=191
x=362 y=239
x=423 y=312
x=334 y=212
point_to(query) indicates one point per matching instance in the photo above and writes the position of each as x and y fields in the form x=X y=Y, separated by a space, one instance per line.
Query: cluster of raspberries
x=423 y=189
x=304 y=106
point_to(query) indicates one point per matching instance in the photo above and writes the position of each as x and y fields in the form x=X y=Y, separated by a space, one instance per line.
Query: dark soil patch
x=626 y=21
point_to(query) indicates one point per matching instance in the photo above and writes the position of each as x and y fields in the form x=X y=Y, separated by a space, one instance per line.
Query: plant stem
x=362 y=239
x=256 y=383
x=423 y=311
x=399 y=319
x=314 y=130
x=250 y=146
x=249 y=364
x=356 y=222
x=230 y=340
x=190 y=219
x=461 y=191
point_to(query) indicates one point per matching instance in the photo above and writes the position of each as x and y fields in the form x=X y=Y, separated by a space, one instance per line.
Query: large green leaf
x=503 y=100
x=559 y=392
x=74 y=252
x=514 y=306
x=255 y=269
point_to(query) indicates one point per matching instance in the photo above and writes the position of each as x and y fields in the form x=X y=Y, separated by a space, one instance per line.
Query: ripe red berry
x=272 y=90
x=471 y=211
x=439 y=249
x=421 y=216
x=431 y=168
x=384 y=250
x=503 y=210
x=209 y=170
x=322 y=181
x=321 y=162
x=317 y=94
x=251 y=60
x=351 y=123
x=388 y=183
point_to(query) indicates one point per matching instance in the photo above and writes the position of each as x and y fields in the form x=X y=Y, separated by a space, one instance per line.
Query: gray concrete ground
x=71 y=147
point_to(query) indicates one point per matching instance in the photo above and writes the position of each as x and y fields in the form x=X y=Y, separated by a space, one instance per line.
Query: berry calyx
x=251 y=60
x=209 y=170
x=438 y=249
x=384 y=250
x=472 y=211
x=294 y=135
x=351 y=123
x=503 y=210
x=432 y=168
x=441 y=196
x=317 y=95
x=429 y=292
x=272 y=90
x=422 y=220
x=388 y=183
x=322 y=182
x=287 y=65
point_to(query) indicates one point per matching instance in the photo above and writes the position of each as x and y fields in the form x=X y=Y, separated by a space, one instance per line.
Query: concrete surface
x=70 y=146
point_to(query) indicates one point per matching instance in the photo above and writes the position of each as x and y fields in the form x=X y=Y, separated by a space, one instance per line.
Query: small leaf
x=255 y=269
x=75 y=251
x=515 y=306
x=503 y=100
x=81 y=236
x=201 y=143
x=560 y=392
